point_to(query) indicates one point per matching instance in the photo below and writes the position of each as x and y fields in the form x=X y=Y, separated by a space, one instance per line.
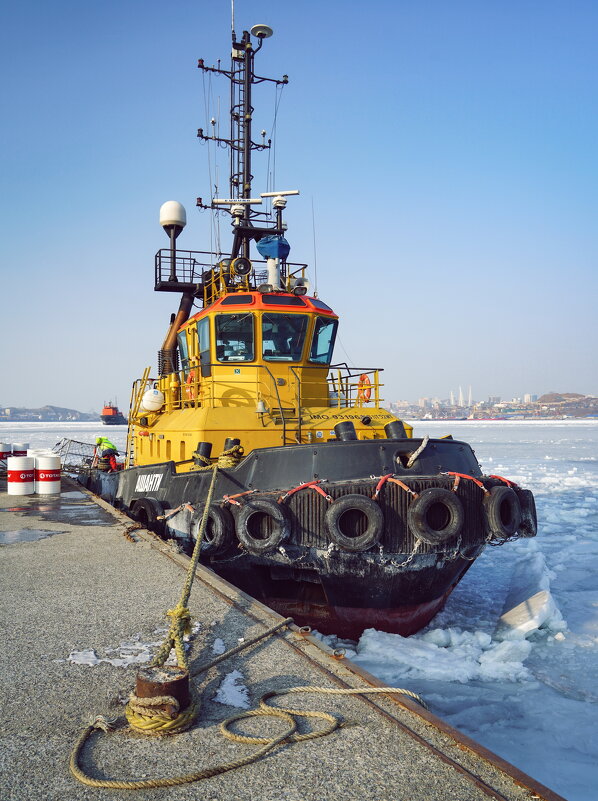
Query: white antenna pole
x=313 y=229
x=232 y=15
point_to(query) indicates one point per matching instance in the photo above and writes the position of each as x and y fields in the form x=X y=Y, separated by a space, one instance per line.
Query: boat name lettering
x=348 y=416
x=148 y=483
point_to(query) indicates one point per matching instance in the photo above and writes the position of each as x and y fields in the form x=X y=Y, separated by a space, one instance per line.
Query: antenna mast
x=242 y=77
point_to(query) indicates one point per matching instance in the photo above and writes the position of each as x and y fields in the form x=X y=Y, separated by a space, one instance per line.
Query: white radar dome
x=261 y=31
x=173 y=213
x=152 y=400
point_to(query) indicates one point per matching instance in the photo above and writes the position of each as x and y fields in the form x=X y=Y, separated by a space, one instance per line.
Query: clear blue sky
x=449 y=150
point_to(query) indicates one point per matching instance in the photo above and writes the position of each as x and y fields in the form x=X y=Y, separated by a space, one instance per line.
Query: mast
x=242 y=77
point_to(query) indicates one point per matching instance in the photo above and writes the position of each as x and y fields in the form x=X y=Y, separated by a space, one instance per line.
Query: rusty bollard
x=153 y=682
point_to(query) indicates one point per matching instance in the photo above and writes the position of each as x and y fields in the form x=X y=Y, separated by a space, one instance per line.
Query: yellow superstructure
x=254 y=366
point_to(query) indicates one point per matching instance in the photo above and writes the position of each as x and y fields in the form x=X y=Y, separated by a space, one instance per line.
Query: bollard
x=164 y=680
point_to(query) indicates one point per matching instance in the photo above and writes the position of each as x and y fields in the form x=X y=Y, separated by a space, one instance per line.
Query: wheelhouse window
x=183 y=350
x=283 y=336
x=323 y=342
x=203 y=339
x=234 y=338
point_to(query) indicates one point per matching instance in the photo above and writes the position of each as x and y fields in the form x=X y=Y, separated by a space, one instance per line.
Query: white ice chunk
x=529 y=604
x=86 y=657
x=232 y=691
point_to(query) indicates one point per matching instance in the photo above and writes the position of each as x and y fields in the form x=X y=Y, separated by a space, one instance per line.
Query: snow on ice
x=232 y=691
x=530 y=694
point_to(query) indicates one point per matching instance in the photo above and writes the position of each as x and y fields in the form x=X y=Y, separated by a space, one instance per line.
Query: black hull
x=396 y=585
x=113 y=420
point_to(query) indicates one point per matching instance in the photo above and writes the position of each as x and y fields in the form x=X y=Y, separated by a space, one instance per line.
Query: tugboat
x=325 y=507
x=112 y=416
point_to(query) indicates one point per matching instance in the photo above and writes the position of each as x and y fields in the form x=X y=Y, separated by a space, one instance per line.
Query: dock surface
x=75 y=583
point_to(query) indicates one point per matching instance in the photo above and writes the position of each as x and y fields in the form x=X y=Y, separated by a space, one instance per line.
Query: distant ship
x=111 y=416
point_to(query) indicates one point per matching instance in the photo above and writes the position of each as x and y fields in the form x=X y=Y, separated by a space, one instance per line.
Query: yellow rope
x=267 y=743
x=145 y=716
x=180 y=615
x=228 y=458
x=137 y=709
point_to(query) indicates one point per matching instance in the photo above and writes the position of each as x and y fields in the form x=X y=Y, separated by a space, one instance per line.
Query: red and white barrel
x=5 y=452
x=47 y=475
x=20 y=448
x=20 y=475
x=39 y=452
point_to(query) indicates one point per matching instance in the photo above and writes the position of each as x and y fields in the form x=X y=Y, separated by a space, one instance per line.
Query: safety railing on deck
x=208 y=275
x=301 y=387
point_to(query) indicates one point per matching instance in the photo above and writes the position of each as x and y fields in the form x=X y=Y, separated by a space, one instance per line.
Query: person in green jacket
x=108 y=450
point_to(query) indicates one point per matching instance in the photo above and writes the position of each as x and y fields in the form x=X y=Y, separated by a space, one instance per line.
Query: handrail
x=183 y=391
x=137 y=391
x=275 y=385
x=298 y=384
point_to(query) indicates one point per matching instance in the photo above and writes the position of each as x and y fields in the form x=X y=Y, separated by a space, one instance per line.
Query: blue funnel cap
x=273 y=247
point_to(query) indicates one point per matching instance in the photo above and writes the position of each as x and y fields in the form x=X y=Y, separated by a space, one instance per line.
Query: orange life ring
x=190 y=389
x=364 y=388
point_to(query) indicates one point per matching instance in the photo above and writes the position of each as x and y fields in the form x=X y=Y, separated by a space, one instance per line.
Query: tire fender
x=255 y=516
x=529 y=520
x=338 y=529
x=220 y=527
x=147 y=511
x=503 y=512
x=436 y=516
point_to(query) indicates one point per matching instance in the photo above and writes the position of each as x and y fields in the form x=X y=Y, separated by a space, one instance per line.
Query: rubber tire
x=370 y=537
x=218 y=536
x=500 y=500
x=146 y=511
x=419 y=523
x=529 y=519
x=281 y=529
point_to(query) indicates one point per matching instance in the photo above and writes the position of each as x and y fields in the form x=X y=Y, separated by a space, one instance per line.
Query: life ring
x=503 y=512
x=146 y=511
x=436 y=516
x=190 y=389
x=364 y=388
x=346 y=516
x=262 y=525
x=529 y=519
x=218 y=534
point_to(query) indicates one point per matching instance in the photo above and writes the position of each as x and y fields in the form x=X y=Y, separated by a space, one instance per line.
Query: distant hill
x=560 y=397
x=45 y=414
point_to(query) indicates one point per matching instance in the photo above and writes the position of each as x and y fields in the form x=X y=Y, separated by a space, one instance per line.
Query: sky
x=446 y=158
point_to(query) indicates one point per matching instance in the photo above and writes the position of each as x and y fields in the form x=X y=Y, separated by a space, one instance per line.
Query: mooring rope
x=288 y=715
x=148 y=716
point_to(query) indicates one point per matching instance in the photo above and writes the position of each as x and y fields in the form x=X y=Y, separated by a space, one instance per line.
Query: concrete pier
x=77 y=586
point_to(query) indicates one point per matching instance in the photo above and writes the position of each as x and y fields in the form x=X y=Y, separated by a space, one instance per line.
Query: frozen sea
x=531 y=699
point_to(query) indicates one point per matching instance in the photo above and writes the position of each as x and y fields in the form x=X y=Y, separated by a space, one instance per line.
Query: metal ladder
x=137 y=391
